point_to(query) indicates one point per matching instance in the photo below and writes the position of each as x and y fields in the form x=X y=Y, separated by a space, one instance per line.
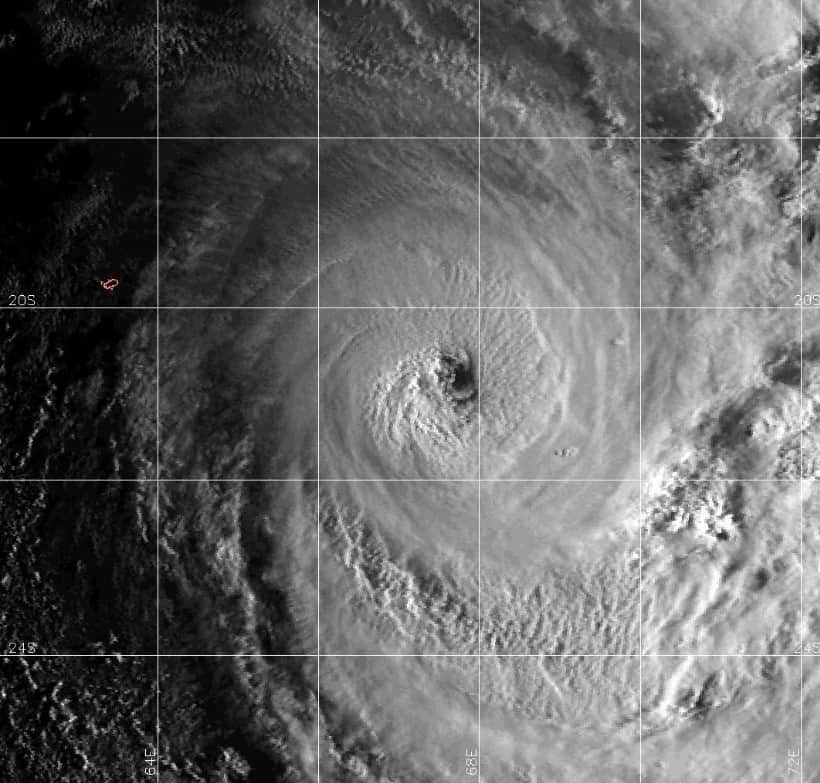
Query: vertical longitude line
x=318 y=394
x=800 y=449
x=640 y=391
x=478 y=375
x=156 y=327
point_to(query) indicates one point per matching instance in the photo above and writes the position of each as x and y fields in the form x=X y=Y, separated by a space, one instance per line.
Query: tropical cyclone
x=555 y=393
x=559 y=407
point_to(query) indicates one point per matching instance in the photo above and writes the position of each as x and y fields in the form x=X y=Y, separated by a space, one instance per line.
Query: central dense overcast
x=637 y=391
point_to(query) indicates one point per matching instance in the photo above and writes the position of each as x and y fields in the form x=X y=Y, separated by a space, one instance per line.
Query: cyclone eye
x=454 y=372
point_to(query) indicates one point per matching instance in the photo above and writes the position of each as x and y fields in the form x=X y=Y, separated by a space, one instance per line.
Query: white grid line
x=157 y=348
x=640 y=391
x=217 y=480
x=401 y=138
x=318 y=142
x=157 y=458
x=479 y=640
x=800 y=449
x=520 y=308
x=14 y=656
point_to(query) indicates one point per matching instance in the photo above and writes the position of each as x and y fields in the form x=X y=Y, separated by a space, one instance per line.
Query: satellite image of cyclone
x=410 y=391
